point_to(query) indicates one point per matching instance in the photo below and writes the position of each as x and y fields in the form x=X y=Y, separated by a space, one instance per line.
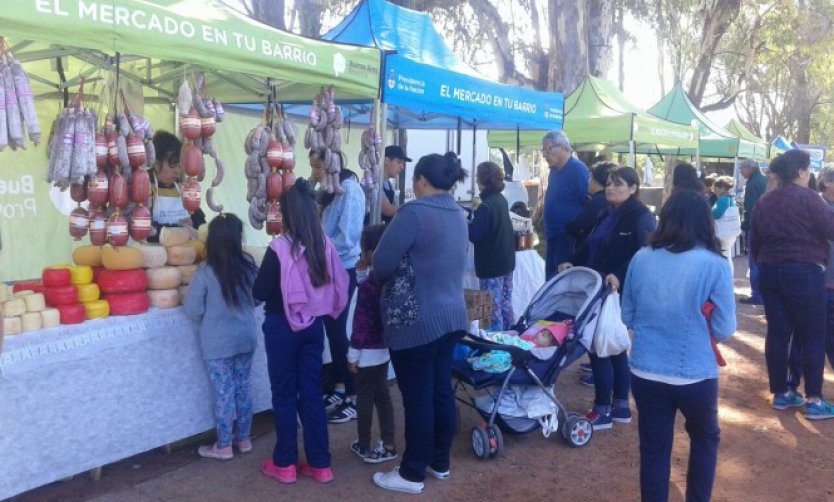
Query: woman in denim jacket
x=673 y=366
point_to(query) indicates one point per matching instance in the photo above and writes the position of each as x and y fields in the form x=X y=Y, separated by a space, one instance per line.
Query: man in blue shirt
x=567 y=189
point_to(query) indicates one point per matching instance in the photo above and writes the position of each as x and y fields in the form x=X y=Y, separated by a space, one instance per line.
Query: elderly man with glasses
x=567 y=193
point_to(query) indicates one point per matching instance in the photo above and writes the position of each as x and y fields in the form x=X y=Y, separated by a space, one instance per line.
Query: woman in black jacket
x=621 y=230
x=580 y=228
x=491 y=231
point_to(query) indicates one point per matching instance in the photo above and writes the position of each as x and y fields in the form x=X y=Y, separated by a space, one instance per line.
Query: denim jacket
x=662 y=301
x=342 y=222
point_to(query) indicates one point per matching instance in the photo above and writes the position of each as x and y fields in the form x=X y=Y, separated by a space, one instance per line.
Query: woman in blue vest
x=491 y=231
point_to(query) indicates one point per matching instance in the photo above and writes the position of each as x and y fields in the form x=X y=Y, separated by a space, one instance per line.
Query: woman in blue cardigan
x=673 y=366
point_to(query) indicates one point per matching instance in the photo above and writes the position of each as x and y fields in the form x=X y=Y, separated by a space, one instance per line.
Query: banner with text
x=422 y=87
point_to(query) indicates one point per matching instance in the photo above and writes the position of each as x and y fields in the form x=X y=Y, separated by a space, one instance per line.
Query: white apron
x=168 y=210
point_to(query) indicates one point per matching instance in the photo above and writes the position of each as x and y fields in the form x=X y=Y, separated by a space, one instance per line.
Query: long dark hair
x=628 y=176
x=234 y=268
x=685 y=177
x=787 y=165
x=302 y=226
x=685 y=223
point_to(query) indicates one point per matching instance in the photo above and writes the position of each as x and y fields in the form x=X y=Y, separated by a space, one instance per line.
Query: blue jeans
x=294 y=363
x=559 y=248
x=336 y=330
x=611 y=375
x=755 y=289
x=657 y=404
x=795 y=306
x=424 y=376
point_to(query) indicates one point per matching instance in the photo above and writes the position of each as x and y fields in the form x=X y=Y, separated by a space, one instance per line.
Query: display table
x=528 y=277
x=73 y=398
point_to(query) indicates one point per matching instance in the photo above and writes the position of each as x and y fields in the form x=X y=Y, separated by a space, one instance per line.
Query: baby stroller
x=577 y=294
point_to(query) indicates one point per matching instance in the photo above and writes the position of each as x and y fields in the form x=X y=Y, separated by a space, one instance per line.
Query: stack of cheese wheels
x=62 y=295
x=165 y=278
x=25 y=309
x=123 y=282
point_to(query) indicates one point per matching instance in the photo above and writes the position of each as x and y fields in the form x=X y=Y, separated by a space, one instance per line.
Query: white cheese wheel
x=181 y=290
x=50 y=317
x=153 y=255
x=163 y=278
x=12 y=325
x=31 y=321
x=187 y=272
x=164 y=298
x=23 y=292
x=34 y=302
x=4 y=292
x=174 y=236
x=14 y=307
x=181 y=255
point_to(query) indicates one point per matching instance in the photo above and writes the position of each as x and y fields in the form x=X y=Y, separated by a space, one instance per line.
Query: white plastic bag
x=728 y=226
x=611 y=337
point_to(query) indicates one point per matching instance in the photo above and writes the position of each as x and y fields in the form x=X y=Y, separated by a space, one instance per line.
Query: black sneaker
x=751 y=301
x=344 y=413
x=380 y=455
x=362 y=453
x=333 y=401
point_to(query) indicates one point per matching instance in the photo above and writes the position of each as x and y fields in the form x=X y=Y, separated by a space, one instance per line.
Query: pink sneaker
x=217 y=453
x=322 y=475
x=244 y=446
x=282 y=474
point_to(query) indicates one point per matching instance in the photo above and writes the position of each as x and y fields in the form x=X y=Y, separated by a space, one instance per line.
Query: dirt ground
x=765 y=455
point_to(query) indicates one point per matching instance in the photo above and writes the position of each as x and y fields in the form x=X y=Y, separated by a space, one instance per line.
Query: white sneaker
x=394 y=482
x=437 y=474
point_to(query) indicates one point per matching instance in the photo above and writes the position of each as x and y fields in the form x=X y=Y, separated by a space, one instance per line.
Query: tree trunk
x=540 y=63
x=270 y=12
x=490 y=21
x=715 y=16
x=621 y=43
x=309 y=17
x=568 y=44
x=600 y=32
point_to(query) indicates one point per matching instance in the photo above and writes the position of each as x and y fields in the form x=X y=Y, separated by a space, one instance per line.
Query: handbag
x=611 y=336
x=728 y=226
x=399 y=300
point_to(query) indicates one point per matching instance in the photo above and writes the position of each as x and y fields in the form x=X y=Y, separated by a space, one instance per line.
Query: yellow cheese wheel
x=153 y=255
x=12 y=325
x=202 y=232
x=164 y=298
x=34 y=302
x=31 y=321
x=81 y=274
x=174 y=236
x=50 y=317
x=14 y=307
x=96 y=309
x=186 y=272
x=88 y=292
x=163 y=278
x=121 y=258
x=181 y=255
x=87 y=255
x=200 y=247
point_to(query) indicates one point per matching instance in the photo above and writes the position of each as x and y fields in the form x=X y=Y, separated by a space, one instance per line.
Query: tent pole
x=380 y=122
x=517 y=143
x=474 y=144
x=459 y=138
x=631 y=154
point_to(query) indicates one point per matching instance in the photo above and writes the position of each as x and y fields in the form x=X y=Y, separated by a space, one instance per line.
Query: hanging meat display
x=17 y=104
x=324 y=134
x=198 y=123
x=370 y=157
x=270 y=150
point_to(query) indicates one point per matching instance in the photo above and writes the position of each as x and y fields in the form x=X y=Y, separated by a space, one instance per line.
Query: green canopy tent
x=715 y=141
x=155 y=44
x=597 y=113
x=760 y=146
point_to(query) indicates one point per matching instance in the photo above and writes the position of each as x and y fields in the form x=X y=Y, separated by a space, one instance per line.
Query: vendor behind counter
x=166 y=205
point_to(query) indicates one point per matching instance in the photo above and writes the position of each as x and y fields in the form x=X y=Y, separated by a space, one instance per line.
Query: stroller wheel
x=496 y=441
x=480 y=443
x=577 y=431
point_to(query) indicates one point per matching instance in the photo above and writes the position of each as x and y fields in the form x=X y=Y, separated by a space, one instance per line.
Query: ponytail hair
x=441 y=171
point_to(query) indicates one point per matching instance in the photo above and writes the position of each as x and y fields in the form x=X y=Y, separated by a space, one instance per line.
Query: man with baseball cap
x=393 y=165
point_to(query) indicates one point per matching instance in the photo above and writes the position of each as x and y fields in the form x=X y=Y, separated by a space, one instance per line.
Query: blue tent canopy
x=429 y=83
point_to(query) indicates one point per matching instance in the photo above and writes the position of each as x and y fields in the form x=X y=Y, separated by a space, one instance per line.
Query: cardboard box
x=479 y=307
